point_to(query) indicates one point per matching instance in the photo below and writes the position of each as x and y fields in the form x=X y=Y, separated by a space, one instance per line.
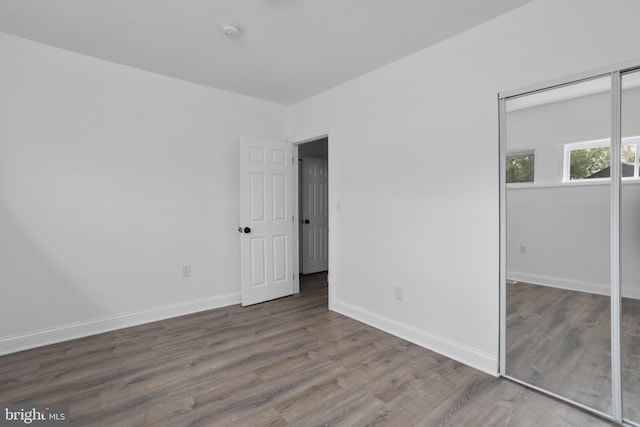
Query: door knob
x=247 y=230
x=306 y=221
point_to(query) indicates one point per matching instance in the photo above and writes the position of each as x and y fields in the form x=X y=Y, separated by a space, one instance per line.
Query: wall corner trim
x=16 y=343
x=456 y=351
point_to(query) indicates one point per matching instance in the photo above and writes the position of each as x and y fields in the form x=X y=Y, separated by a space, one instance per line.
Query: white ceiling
x=288 y=49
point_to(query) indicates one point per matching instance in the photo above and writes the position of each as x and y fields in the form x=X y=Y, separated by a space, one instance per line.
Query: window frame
x=599 y=143
x=521 y=153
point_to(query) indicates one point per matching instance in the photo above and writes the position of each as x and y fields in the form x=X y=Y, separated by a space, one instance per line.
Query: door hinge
x=292 y=160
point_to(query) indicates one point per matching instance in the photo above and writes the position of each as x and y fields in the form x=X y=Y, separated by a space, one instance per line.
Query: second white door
x=314 y=216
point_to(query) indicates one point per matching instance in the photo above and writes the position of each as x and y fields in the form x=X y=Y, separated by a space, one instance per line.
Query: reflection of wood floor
x=560 y=340
x=285 y=362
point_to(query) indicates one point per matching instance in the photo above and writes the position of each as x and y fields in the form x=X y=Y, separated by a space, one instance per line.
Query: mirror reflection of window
x=592 y=160
x=520 y=168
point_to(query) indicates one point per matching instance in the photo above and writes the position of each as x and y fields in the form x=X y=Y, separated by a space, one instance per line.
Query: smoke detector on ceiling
x=230 y=30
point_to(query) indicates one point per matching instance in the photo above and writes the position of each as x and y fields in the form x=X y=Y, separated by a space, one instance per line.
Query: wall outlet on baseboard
x=399 y=293
x=186 y=270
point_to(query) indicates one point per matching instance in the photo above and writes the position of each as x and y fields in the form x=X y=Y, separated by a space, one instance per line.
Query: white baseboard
x=571 y=285
x=456 y=351
x=67 y=332
x=557 y=282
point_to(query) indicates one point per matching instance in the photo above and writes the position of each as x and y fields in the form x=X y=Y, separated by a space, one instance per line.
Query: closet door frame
x=614 y=72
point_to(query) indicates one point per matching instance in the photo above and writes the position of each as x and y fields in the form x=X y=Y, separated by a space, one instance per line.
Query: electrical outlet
x=523 y=249
x=399 y=293
x=186 y=270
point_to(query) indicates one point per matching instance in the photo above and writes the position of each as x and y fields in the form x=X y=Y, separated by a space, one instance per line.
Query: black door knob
x=247 y=230
x=306 y=221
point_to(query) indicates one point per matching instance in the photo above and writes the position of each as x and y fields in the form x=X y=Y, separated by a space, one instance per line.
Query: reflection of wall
x=566 y=232
x=580 y=119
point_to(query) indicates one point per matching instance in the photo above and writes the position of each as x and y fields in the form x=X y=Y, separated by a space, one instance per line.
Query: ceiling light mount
x=230 y=30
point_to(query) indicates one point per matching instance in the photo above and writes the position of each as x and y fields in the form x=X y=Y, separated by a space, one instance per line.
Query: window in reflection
x=592 y=160
x=520 y=168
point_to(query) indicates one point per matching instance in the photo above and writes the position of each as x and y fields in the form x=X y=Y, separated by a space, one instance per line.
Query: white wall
x=111 y=178
x=414 y=154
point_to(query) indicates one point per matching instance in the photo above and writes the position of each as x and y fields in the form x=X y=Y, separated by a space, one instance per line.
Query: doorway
x=313 y=208
x=270 y=216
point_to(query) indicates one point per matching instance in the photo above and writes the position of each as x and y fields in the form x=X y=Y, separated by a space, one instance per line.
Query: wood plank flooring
x=559 y=340
x=288 y=362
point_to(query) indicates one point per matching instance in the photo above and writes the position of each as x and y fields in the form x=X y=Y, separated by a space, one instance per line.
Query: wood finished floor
x=288 y=362
x=559 y=340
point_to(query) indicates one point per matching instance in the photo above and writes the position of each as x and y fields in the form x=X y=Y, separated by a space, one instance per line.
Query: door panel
x=280 y=267
x=257 y=197
x=258 y=261
x=310 y=255
x=266 y=219
x=279 y=197
x=315 y=230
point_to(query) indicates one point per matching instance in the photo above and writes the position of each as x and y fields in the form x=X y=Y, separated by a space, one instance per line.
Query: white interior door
x=266 y=219
x=315 y=216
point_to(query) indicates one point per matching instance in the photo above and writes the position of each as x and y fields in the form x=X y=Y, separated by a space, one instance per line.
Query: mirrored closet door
x=570 y=240
x=558 y=259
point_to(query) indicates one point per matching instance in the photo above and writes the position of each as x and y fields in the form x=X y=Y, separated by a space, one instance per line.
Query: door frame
x=326 y=133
